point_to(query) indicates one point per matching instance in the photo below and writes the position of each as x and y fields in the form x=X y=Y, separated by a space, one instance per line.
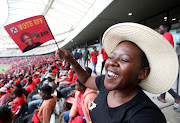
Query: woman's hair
x=144 y=60
x=46 y=89
x=6 y=115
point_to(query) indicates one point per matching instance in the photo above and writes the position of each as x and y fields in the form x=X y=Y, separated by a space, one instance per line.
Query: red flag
x=30 y=32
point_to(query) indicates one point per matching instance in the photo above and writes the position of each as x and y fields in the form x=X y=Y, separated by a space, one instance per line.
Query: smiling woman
x=3 y=12
x=135 y=63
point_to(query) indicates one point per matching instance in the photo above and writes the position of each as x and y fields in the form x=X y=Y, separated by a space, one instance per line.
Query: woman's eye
x=110 y=57
x=123 y=60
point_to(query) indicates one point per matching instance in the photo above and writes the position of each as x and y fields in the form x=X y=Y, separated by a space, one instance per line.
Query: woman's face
x=123 y=67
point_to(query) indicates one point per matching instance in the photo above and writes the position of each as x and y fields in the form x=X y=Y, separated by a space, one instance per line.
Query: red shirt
x=54 y=71
x=1 y=84
x=94 y=57
x=18 y=102
x=30 y=88
x=70 y=76
x=81 y=55
x=169 y=37
x=104 y=54
x=36 y=81
x=56 y=58
x=31 y=71
x=62 y=66
x=17 y=81
x=80 y=111
x=54 y=64
x=10 y=90
x=74 y=79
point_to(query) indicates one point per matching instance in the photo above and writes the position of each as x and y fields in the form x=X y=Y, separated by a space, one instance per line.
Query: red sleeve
x=28 y=89
x=91 y=54
x=70 y=76
x=34 y=82
x=18 y=102
x=37 y=81
x=62 y=66
x=169 y=37
x=74 y=79
x=102 y=50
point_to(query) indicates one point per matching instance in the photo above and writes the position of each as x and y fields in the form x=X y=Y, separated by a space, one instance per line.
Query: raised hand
x=64 y=54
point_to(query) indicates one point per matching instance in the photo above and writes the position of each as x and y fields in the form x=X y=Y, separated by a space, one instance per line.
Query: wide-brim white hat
x=159 y=52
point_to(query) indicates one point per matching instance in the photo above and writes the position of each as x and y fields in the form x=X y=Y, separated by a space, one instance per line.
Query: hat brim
x=159 y=52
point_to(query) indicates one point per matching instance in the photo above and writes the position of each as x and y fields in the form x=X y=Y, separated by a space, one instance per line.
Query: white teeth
x=112 y=74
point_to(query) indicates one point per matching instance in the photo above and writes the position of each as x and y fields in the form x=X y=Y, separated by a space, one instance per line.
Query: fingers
x=64 y=54
x=60 y=53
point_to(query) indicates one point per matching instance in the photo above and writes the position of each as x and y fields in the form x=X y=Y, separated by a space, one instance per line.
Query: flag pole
x=51 y=32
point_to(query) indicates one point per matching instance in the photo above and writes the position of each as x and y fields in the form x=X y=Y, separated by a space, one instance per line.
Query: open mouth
x=112 y=74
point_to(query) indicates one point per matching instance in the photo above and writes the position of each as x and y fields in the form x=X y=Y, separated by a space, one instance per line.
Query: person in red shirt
x=80 y=56
x=19 y=101
x=94 y=55
x=164 y=30
x=105 y=57
x=54 y=70
x=17 y=81
x=79 y=112
x=36 y=79
x=70 y=76
x=68 y=86
x=30 y=86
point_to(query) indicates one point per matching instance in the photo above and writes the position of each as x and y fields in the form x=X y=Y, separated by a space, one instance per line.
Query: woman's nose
x=114 y=62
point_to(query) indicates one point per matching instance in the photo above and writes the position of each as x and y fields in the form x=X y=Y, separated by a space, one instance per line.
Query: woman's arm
x=83 y=76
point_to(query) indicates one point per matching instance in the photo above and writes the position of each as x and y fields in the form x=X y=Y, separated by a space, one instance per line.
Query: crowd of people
x=53 y=77
x=58 y=84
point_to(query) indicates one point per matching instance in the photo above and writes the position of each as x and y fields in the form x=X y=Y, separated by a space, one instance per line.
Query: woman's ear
x=145 y=72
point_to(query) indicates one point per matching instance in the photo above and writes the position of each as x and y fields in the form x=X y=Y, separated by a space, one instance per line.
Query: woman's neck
x=121 y=97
